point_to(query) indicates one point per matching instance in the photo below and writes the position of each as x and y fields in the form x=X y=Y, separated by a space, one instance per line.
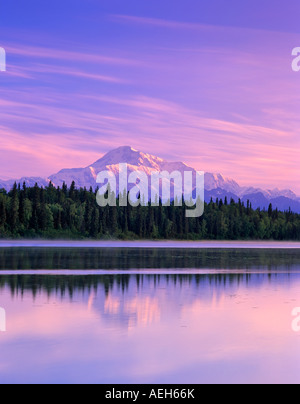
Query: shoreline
x=150 y=244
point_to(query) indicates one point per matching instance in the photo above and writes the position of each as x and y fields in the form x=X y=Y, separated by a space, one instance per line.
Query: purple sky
x=205 y=82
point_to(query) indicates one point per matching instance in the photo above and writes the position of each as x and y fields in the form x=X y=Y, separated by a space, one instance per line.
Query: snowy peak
x=130 y=156
x=136 y=161
x=216 y=185
x=29 y=182
x=214 y=181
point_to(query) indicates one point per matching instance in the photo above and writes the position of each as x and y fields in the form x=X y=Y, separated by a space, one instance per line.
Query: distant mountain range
x=216 y=186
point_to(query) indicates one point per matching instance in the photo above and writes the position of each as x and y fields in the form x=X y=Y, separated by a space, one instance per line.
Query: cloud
x=67 y=55
x=183 y=25
x=28 y=72
x=58 y=137
x=160 y=22
x=225 y=101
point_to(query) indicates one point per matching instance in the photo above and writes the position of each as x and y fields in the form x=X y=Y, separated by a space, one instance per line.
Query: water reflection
x=204 y=285
x=150 y=329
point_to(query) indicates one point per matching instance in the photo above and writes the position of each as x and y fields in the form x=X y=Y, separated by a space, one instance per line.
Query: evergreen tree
x=14 y=208
x=2 y=212
x=54 y=212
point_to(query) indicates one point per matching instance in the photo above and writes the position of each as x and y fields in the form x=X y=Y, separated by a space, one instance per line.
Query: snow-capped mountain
x=269 y=193
x=216 y=185
x=29 y=181
x=136 y=161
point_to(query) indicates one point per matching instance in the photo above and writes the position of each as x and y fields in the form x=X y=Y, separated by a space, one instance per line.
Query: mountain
x=29 y=181
x=136 y=161
x=216 y=185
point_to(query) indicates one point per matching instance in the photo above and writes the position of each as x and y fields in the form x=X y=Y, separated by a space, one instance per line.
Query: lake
x=149 y=314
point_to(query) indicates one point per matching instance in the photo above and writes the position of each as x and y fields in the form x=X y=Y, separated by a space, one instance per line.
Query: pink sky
x=220 y=97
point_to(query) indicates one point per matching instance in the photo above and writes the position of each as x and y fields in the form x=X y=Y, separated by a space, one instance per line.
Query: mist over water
x=32 y=258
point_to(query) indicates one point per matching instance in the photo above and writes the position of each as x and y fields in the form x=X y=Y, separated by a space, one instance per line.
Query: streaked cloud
x=67 y=55
x=160 y=22
x=206 y=143
x=219 y=96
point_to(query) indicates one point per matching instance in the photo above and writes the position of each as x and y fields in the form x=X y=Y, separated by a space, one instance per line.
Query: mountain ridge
x=216 y=185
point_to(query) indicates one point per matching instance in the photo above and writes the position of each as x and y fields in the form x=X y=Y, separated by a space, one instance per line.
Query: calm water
x=149 y=315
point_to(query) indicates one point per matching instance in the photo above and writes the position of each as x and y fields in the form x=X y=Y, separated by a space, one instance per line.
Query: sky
x=207 y=82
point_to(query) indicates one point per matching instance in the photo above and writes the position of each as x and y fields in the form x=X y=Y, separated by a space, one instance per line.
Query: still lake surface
x=149 y=315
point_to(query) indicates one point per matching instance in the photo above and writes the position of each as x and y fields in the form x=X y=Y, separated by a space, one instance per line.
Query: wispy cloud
x=160 y=22
x=184 y=25
x=28 y=72
x=220 y=98
x=207 y=143
x=67 y=55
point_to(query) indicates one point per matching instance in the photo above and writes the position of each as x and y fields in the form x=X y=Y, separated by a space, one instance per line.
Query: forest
x=72 y=213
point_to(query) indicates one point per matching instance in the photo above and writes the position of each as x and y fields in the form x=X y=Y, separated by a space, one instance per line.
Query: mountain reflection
x=130 y=300
x=139 y=310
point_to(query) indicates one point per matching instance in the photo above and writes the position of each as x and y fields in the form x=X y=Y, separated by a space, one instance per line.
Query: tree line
x=69 y=212
x=69 y=286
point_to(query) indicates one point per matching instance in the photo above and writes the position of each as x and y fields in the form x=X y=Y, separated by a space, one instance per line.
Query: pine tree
x=74 y=211
x=2 y=212
x=270 y=210
x=14 y=210
x=72 y=191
